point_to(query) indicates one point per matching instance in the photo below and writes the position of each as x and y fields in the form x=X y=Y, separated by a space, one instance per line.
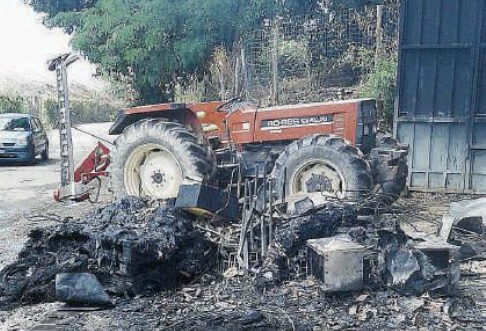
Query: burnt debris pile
x=233 y=304
x=328 y=266
x=131 y=246
x=323 y=222
x=286 y=258
x=350 y=252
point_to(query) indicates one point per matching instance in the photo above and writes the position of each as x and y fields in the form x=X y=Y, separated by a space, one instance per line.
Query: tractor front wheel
x=153 y=158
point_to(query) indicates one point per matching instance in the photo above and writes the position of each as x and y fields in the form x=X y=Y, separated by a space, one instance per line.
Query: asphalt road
x=24 y=187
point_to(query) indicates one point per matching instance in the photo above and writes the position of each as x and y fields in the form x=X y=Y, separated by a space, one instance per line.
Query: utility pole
x=379 y=31
x=59 y=65
x=274 y=60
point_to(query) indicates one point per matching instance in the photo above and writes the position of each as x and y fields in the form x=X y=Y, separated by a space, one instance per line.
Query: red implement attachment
x=91 y=168
x=94 y=165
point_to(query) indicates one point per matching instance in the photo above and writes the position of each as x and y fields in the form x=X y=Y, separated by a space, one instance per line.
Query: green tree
x=157 y=44
x=12 y=104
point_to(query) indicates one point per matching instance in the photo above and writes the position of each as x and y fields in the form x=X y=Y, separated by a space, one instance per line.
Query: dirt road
x=22 y=187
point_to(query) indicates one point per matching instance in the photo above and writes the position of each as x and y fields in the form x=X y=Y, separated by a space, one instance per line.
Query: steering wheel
x=226 y=104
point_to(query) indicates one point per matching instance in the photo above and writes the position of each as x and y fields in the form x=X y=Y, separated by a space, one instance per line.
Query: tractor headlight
x=22 y=140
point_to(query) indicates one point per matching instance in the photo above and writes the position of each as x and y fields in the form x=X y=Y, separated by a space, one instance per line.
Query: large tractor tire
x=326 y=165
x=390 y=170
x=154 y=158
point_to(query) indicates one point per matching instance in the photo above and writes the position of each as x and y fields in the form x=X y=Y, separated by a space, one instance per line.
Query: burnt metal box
x=337 y=262
x=439 y=252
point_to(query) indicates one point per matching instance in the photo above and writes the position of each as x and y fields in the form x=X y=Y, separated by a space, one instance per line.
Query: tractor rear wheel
x=154 y=158
x=327 y=165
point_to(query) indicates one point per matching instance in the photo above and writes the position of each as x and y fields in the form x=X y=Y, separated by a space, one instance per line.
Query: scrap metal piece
x=473 y=210
x=425 y=263
x=466 y=221
x=446 y=228
x=403 y=265
x=442 y=256
x=465 y=208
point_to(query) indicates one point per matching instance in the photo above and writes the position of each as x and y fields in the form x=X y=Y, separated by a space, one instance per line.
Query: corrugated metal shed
x=441 y=104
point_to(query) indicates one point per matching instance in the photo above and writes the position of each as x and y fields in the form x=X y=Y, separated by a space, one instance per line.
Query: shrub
x=380 y=84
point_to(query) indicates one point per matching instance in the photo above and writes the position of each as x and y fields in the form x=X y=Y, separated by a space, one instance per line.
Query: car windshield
x=14 y=124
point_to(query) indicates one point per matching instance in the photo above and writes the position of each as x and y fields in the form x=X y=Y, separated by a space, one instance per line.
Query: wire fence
x=309 y=58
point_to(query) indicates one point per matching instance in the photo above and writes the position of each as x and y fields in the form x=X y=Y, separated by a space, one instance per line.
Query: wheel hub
x=318 y=183
x=158 y=177
x=153 y=171
x=317 y=177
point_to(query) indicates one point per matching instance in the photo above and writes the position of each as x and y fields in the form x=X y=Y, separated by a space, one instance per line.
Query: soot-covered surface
x=235 y=304
x=138 y=242
x=131 y=246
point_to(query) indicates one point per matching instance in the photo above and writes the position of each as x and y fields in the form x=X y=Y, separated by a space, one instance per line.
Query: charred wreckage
x=228 y=188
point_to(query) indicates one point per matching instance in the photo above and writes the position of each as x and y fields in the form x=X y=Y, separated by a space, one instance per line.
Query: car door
x=35 y=135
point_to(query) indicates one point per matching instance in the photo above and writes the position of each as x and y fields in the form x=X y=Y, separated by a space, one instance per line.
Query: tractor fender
x=173 y=112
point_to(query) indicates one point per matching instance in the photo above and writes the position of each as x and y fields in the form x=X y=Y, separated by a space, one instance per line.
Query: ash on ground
x=161 y=273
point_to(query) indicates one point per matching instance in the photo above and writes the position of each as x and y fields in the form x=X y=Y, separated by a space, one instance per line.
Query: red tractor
x=329 y=150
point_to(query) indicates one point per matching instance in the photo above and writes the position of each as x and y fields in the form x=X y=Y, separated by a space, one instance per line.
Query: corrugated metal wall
x=441 y=104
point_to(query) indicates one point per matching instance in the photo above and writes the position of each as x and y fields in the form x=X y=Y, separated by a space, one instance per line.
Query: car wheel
x=45 y=152
x=31 y=158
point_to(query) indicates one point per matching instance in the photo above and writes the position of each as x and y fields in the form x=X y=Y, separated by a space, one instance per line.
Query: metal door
x=441 y=104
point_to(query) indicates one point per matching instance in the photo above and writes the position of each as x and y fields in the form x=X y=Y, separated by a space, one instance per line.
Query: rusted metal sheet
x=441 y=106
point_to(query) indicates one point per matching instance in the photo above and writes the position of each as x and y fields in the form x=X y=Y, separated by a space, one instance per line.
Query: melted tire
x=195 y=160
x=390 y=176
x=386 y=140
x=348 y=162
